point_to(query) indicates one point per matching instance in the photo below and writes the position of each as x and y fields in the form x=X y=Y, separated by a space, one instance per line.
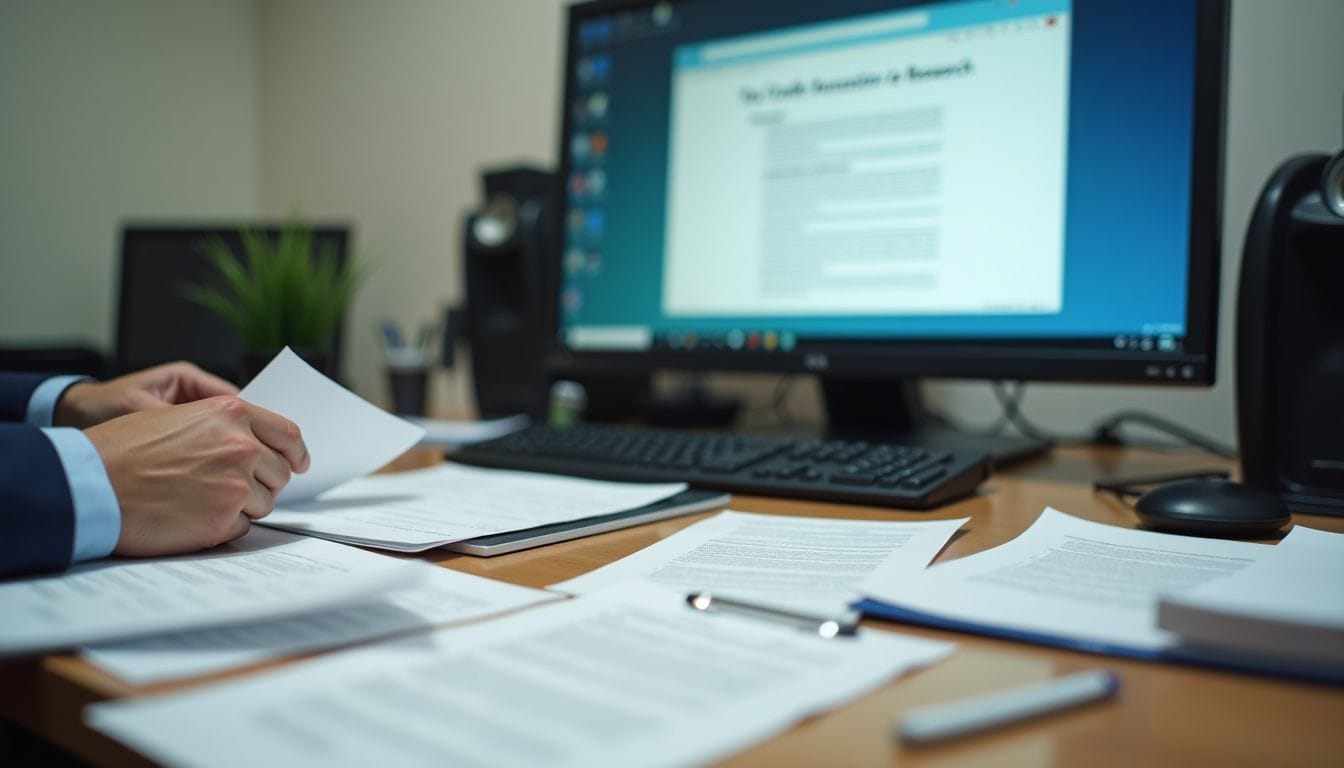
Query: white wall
x=384 y=113
x=135 y=109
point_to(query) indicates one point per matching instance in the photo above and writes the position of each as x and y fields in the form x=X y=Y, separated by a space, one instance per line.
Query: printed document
x=442 y=596
x=1068 y=578
x=418 y=510
x=262 y=575
x=346 y=435
x=1289 y=606
x=807 y=563
x=626 y=676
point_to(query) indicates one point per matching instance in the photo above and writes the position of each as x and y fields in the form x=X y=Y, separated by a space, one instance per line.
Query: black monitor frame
x=885 y=362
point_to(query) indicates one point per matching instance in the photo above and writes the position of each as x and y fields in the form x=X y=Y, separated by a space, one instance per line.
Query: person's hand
x=191 y=476
x=88 y=403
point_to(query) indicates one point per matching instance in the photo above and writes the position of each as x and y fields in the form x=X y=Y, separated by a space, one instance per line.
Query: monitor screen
x=1019 y=189
x=157 y=323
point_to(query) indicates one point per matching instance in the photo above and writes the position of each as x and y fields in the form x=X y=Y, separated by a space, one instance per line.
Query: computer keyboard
x=829 y=470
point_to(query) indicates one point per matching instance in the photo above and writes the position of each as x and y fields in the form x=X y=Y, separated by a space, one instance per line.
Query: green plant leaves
x=279 y=292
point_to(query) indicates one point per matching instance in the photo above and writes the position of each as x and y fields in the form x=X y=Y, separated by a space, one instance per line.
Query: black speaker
x=1290 y=337
x=505 y=259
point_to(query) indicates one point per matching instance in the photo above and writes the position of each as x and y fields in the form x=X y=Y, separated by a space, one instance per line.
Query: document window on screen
x=872 y=166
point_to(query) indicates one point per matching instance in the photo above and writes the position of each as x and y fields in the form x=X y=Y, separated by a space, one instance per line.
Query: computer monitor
x=873 y=190
x=157 y=323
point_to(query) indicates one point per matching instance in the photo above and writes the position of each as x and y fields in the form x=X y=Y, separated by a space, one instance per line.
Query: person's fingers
x=281 y=434
x=241 y=525
x=260 y=501
x=271 y=470
x=135 y=400
x=196 y=384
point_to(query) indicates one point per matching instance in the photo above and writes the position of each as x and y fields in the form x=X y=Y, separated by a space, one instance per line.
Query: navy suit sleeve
x=15 y=389
x=37 y=513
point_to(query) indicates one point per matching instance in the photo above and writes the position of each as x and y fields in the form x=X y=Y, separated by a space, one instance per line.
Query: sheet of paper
x=417 y=510
x=814 y=564
x=1070 y=578
x=626 y=676
x=1290 y=604
x=262 y=575
x=346 y=436
x=452 y=434
x=442 y=596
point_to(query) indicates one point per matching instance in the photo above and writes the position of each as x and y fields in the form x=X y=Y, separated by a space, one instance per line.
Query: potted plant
x=279 y=292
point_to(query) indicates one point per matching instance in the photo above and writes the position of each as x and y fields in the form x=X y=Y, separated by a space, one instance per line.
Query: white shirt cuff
x=97 y=513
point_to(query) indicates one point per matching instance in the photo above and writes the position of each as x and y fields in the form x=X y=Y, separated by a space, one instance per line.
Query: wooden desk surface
x=1164 y=715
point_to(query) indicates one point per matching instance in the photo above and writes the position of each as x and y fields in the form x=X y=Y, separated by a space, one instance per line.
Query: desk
x=1164 y=715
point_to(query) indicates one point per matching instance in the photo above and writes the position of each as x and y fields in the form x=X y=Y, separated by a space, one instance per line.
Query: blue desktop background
x=1129 y=159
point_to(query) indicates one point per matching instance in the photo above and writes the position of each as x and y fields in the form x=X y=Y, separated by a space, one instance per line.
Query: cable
x=1108 y=432
x=1136 y=486
x=779 y=402
x=1011 y=403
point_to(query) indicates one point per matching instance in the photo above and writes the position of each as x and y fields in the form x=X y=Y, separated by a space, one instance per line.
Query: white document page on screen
x=917 y=174
x=814 y=564
x=1071 y=578
x=622 y=677
x=262 y=575
x=441 y=596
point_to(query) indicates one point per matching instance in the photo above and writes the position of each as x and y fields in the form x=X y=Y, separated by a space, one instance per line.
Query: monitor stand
x=892 y=410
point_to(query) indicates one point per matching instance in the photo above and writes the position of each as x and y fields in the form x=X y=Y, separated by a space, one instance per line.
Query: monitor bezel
x=994 y=359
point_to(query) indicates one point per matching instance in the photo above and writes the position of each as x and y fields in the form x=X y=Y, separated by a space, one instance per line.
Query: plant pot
x=254 y=360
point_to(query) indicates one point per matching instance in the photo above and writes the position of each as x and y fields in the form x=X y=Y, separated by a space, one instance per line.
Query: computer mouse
x=1212 y=508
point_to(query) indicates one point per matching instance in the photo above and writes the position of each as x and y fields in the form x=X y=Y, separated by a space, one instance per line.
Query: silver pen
x=825 y=626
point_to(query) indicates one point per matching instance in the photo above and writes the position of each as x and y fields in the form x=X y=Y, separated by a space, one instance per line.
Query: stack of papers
x=263 y=575
x=422 y=509
x=441 y=596
x=1082 y=585
x=626 y=676
x=1286 y=610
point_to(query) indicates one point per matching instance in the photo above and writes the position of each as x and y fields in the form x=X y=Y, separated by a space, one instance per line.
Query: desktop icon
x=597 y=105
x=601 y=67
x=576 y=220
x=573 y=299
x=598 y=143
x=597 y=181
x=579 y=146
x=574 y=260
x=595 y=223
x=735 y=339
x=578 y=184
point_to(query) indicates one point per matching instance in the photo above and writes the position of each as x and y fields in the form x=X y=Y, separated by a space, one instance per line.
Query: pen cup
x=408 y=380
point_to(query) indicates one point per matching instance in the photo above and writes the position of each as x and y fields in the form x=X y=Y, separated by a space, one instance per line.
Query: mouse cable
x=1107 y=431
x=1136 y=486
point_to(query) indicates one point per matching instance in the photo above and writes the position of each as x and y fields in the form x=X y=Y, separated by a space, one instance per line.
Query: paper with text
x=441 y=596
x=1070 y=578
x=626 y=676
x=809 y=563
x=417 y=510
x=346 y=436
x=1289 y=606
x=262 y=575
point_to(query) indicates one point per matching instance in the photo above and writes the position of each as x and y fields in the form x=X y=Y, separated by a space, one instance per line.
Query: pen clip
x=825 y=626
